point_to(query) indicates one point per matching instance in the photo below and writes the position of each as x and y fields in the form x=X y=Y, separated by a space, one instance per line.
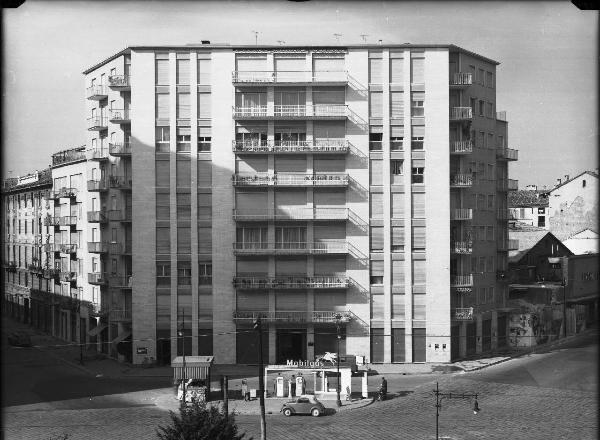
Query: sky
x=546 y=82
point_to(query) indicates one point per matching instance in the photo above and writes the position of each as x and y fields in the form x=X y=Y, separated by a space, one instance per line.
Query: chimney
x=557 y=182
x=379 y=41
x=566 y=177
x=205 y=41
x=531 y=188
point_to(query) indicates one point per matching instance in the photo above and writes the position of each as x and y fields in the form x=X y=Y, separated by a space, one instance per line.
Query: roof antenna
x=281 y=42
x=255 y=37
x=364 y=37
x=337 y=37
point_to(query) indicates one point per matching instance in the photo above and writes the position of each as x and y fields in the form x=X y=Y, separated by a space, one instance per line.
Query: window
x=376 y=238
x=204 y=139
x=290 y=237
x=376 y=202
x=417 y=70
x=162 y=106
x=417 y=142
x=397 y=143
x=419 y=306
x=203 y=71
x=183 y=172
x=376 y=171
x=480 y=76
x=473 y=104
x=183 y=71
x=251 y=238
x=204 y=173
x=418 y=175
x=204 y=274
x=490 y=110
x=375 y=141
x=375 y=65
x=417 y=105
x=162 y=207
x=397 y=205
x=489 y=79
x=583 y=183
x=397 y=105
x=163 y=240
x=481 y=107
x=418 y=238
x=490 y=201
x=184 y=273
x=396 y=70
x=397 y=167
x=162 y=139
x=204 y=106
x=183 y=105
x=162 y=70
x=204 y=240
x=376 y=272
x=204 y=206
x=377 y=306
x=163 y=274
x=419 y=271
x=183 y=140
x=397 y=238
x=184 y=208
x=418 y=205
x=184 y=240
x=375 y=104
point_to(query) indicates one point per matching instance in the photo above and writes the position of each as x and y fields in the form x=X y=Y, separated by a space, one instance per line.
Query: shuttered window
x=323 y=130
x=204 y=106
x=418 y=237
x=419 y=345
x=204 y=173
x=396 y=105
x=396 y=70
x=329 y=96
x=376 y=171
x=375 y=104
x=163 y=274
x=162 y=206
x=376 y=238
x=398 y=306
x=329 y=165
x=376 y=272
x=251 y=63
x=163 y=240
x=163 y=309
x=418 y=271
x=205 y=308
x=204 y=206
x=289 y=301
x=183 y=71
x=252 y=267
x=329 y=199
x=290 y=164
x=203 y=71
x=251 y=202
x=162 y=72
x=204 y=240
x=419 y=306
x=184 y=207
x=183 y=105
x=252 y=301
x=328 y=266
x=398 y=345
x=397 y=205
x=287 y=68
x=289 y=200
x=162 y=106
x=375 y=65
x=417 y=70
x=162 y=173
x=418 y=205
x=377 y=344
x=323 y=66
x=184 y=172
x=295 y=266
x=377 y=306
x=332 y=301
x=397 y=238
x=398 y=272
x=376 y=201
x=184 y=240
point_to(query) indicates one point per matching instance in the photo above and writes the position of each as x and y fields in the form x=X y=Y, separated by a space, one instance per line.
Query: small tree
x=199 y=422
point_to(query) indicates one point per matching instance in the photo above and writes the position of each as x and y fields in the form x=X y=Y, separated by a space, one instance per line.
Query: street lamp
x=338 y=318
x=438 y=404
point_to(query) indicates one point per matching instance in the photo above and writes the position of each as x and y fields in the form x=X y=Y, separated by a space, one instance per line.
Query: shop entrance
x=291 y=345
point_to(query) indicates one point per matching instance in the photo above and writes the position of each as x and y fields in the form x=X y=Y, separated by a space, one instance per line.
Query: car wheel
x=287 y=412
x=315 y=412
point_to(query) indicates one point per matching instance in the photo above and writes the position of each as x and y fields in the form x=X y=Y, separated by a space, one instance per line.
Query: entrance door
x=291 y=345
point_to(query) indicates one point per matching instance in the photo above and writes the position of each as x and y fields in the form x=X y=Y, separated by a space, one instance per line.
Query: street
x=540 y=396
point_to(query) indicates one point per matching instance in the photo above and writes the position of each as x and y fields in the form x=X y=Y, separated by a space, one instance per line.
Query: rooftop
x=66 y=157
x=591 y=173
x=31 y=180
x=527 y=199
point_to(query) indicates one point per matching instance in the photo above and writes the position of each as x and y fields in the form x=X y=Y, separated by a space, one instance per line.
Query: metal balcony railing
x=336 y=111
x=97 y=247
x=461 y=214
x=461 y=79
x=119 y=149
x=282 y=214
x=97 y=154
x=97 y=123
x=68 y=276
x=461 y=113
x=461 y=147
x=291 y=248
x=118 y=215
x=317 y=146
x=68 y=220
x=507 y=154
x=298 y=76
x=461 y=247
x=120 y=182
x=461 y=280
x=96 y=92
x=67 y=248
x=291 y=179
x=119 y=115
x=317 y=317
x=120 y=315
x=51 y=221
x=98 y=278
x=291 y=282
x=63 y=192
x=97 y=185
x=51 y=273
x=121 y=281
x=461 y=180
x=120 y=248
x=49 y=247
x=119 y=81
x=463 y=314
x=96 y=217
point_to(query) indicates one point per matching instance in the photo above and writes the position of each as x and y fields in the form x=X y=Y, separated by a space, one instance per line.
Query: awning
x=121 y=337
x=97 y=329
x=196 y=367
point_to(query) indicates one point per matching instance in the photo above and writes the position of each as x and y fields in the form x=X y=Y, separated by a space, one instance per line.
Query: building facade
x=529 y=207
x=359 y=191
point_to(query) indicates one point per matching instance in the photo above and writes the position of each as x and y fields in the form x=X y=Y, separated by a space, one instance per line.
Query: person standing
x=245 y=392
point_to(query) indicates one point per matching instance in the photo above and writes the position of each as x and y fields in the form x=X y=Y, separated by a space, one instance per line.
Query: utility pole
x=225 y=397
x=261 y=382
x=364 y=37
x=438 y=404
x=255 y=37
x=338 y=401
x=183 y=349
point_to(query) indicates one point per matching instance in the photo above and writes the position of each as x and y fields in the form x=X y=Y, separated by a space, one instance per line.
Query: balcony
x=461 y=214
x=463 y=314
x=119 y=116
x=96 y=93
x=119 y=82
x=289 y=179
x=294 y=248
x=96 y=217
x=63 y=193
x=260 y=78
x=461 y=114
x=315 y=111
x=120 y=182
x=120 y=315
x=461 y=280
x=301 y=214
x=97 y=247
x=121 y=281
x=119 y=216
x=507 y=154
x=51 y=273
x=119 y=149
x=67 y=248
x=328 y=146
x=97 y=278
x=68 y=156
x=458 y=80
x=512 y=185
x=97 y=123
x=284 y=317
x=68 y=277
x=11 y=266
x=461 y=180
x=34 y=268
x=51 y=221
x=97 y=185
x=461 y=147
x=68 y=220
x=461 y=247
x=291 y=282
x=98 y=154
x=49 y=247
x=120 y=248
x=501 y=116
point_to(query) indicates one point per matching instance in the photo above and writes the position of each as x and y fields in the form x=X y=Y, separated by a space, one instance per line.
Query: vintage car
x=303 y=405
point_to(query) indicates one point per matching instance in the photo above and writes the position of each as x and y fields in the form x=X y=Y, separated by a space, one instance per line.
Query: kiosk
x=196 y=374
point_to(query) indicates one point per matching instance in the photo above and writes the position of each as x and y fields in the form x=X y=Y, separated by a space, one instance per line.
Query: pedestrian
x=293 y=386
x=245 y=392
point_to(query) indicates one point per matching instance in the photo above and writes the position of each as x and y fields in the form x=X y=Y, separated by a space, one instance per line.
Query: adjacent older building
x=528 y=207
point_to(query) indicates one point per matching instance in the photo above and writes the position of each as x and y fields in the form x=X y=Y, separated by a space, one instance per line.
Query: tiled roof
x=591 y=173
x=528 y=238
x=527 y=199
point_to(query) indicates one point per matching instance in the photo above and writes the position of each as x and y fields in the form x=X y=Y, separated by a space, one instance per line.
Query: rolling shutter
x=398 y=235
x=286 y=200
x=397 y=105
x=329 y=165
x=376 y=202
x=252 y=301
x=252 y=267
x=376 y=238
x=331 y=231
x=292 y=301
x=376 y=171
x=419 y=306
x=418 y=272
x=329 y=199
x=375 y=104
x=204 y=173
x=417 y=70
x=375 y=66
x=295 y=266
x=397 y=205
x=331 y=301
x=418 y=205
x=162 y=72
x=251 y=63
x=328 y=266
x=418 y=237
x=377 y=306
x=251 y=202
x=329 y=130
x=331 y=96
x=183 y=71
x=290 y=164
x=396 y=70
x=162 y=106
x=398 y=306
x=398 y=272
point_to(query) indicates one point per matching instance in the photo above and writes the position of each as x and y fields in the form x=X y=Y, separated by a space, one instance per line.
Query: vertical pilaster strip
x=173 y=196
x=408 y=281
x=194 y=194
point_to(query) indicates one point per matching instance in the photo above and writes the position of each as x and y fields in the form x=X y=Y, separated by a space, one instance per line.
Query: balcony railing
x=293 y=248
x=97 y=123
x=120 y=116
x=325 y=111
x=67 y=248
x=461 y=247
x=51 y=221
x=120 y=315
x=68 y=276
x=118 y=215
x=98 y=154
x=35 y=268
x=120 y=182
x=461 y=114
x=501 y=116
x=317 y=317
x=291 y=282
x=121 y=281
x=96 y=217
x=120 y=248
x=51 y=273
x=68 y=220
x=507 y=153
x=299 y=147
x=63 y=193
x=97 y=278
x=298 y=76
x=97 y=247
x=96 y=92
x=461 y=79
x=461 y=280
x=291 y=179
x=461 y=147
x=461 y=214
x=512 y=185
x=461 y=180
x=97 y=185
x=119 y=149
x=463 y=314
x=119 y=81
x=49 y=247
x=302 y=214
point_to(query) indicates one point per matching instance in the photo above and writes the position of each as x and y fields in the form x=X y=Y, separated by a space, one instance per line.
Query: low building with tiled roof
x=528 y=206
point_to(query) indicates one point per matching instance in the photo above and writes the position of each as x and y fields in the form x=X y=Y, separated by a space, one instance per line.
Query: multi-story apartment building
x=358 y=189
